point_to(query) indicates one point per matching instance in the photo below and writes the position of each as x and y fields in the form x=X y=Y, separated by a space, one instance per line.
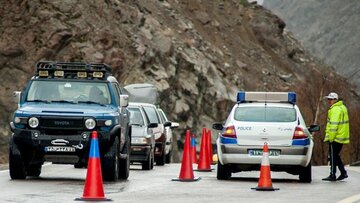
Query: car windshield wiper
x=64 y=101
x=38 y=100
x=91 y=102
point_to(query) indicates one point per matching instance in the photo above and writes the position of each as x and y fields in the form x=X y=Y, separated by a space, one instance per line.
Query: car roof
x=141 y=104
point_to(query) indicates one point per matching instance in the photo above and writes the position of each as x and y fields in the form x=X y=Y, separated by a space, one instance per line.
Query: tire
x=305 y=174
x=152 y=160
x=17 y=168
x=222 y=172
x=160 y=161
x=110 y=162
x=149 y=163
x=34 y=170
x=168 y=157
x=124 y=164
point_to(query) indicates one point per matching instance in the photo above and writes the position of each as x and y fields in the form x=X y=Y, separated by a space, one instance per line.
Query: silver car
x=265 y=117
x=168 y=134
x=142 y=137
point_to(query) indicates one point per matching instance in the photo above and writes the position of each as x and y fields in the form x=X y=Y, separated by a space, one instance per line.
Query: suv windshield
x=69 y=92
x=265 y=114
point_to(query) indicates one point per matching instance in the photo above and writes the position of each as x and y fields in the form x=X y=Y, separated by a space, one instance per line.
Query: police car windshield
x=265 y=114
x=69 y=92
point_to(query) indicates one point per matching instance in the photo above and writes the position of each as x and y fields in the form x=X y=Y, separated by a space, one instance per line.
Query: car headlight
x=141 y=140
x=90 y=123
x=33 y=122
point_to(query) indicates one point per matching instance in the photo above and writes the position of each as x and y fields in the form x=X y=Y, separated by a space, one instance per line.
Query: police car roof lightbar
x=288 y=97
x=72 y=69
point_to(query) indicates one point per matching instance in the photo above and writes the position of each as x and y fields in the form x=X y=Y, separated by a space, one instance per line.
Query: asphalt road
x=63 y=183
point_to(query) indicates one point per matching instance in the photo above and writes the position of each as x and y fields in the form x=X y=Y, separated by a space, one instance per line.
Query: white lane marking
x=352 y=199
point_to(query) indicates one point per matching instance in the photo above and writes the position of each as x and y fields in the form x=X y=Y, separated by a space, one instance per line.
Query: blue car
x=61 y=106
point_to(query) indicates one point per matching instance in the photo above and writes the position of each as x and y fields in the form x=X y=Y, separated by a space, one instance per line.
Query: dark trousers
x=335 y=160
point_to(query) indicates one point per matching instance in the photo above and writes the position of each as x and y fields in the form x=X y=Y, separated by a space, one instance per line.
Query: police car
x=265 y=117
x=60 y=107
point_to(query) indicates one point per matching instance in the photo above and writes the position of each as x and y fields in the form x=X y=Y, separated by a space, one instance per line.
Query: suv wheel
x=222 y=172
x=124 y=164
x=16 y=164
x=110 y=162
x=34 y=170
x=305 y=174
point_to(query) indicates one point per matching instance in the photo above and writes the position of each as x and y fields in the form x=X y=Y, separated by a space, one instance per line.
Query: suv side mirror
x=17 y=97
x=314 y=128
x=217 y=126
x=124 y=100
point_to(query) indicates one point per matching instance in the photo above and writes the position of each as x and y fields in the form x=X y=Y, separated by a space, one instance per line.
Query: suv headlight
x=33 y=122
x=90 y=123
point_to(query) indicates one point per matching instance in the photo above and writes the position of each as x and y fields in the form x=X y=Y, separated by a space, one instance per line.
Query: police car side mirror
x=17 y=96
x=314 y=128
x=124 y=100
x=217 y=126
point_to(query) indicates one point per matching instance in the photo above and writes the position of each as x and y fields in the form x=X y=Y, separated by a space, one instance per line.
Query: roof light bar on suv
x=52 y=69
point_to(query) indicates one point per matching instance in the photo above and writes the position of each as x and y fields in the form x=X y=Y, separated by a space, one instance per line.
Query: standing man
x=337 y=133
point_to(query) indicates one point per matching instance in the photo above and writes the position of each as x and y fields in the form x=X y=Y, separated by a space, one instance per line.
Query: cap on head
x=332 y=95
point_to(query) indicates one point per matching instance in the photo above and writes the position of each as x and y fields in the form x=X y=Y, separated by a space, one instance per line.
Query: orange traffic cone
x=186 y=171
x=265 y=183
x=210 y=149
x=204 y=159
x=93 y=189
x=193 y=150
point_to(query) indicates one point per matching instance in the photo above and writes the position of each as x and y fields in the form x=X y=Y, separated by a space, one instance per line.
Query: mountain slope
x=329 y=29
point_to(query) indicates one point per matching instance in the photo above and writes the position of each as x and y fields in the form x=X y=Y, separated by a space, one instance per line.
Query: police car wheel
x=222 y=172
x=16 y=164
x=305 y=174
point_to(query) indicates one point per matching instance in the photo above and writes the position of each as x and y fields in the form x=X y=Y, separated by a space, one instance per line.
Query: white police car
x=260 y=117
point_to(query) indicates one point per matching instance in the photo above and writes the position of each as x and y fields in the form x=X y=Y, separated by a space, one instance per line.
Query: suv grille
x=62 y=123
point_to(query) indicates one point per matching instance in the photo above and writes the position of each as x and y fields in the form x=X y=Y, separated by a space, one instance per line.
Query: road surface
x=63 y=183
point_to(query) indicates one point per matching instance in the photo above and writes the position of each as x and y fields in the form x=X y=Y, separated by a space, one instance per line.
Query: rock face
x=198 y=53
x=329 y=29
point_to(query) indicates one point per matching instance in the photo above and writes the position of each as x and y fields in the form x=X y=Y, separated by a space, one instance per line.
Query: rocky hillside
x=329 y=29
x=198 y=53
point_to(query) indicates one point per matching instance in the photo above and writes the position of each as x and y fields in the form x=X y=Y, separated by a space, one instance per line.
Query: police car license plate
x=59 y=149
x=258 y=152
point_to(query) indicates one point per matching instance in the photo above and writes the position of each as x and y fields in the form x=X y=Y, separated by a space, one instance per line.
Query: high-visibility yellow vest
x=337 y=127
